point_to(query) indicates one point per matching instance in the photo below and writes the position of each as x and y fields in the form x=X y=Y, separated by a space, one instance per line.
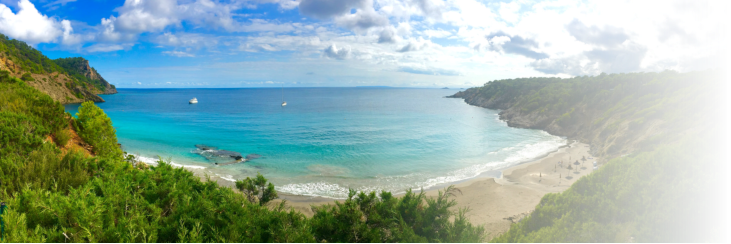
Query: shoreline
x=496 y=198
x=203 y=171
x=497 y=202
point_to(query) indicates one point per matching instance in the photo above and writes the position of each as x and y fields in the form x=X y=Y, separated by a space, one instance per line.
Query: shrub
x=27 y=77
x=95 y=128
x=61 y=137
x=256 y=190
x=384 y=218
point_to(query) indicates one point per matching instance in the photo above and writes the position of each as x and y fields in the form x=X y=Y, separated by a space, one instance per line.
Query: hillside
x=65 y=80
x=617 y=114
x=79 y=69
x=664 y=136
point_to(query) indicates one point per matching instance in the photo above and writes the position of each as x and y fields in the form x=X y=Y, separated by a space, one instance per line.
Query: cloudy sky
x=409 y=43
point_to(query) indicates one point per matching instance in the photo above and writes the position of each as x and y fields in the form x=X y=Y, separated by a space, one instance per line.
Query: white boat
x=284 y=103
x=192 y=101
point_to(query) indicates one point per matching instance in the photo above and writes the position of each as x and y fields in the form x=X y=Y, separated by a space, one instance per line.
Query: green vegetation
x=666 y=195
x=71 y=65
x=33 y=61
x=367 y=218
x=61 y=137
x=72 y=197
x=27 y=77
x=96 y=129
x=613 y=112
x=257 y=190
x=28 y=58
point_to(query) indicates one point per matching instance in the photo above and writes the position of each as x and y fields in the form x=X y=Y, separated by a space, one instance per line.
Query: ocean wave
x=153 y=161
x=399 y=183
x=317 y=189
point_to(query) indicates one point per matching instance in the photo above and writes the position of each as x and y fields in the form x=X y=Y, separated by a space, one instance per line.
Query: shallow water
x=325 y=140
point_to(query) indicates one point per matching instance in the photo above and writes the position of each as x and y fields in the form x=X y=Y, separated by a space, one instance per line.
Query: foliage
x=664 y=195
x=71 y=65
x=27 y=57
x=61 y=137
x=411 y=218
x=95 y=127
x=33 y=61
x=27 y=77
x=257 y=190
x=627 y=96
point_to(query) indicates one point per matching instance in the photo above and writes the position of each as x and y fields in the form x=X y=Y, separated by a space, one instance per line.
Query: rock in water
x=204 y=147
x=252 y=156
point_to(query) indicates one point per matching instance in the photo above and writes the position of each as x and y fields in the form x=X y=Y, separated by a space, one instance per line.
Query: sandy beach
x=493 y=202
x=498 y=202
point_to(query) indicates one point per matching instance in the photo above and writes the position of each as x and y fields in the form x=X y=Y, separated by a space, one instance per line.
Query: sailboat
x=284 y=103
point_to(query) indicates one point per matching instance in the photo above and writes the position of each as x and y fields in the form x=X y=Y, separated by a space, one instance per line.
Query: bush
x=384 y=218
x=61 y=137
x=95 y=128
x=256 y=190
x=27 y=77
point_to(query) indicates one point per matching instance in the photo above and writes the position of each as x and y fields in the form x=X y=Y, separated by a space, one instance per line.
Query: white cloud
x=146 y=15
x=509 y=11
x=30 y=25
x=178 y=54
x=438 y=33
x=104 y=47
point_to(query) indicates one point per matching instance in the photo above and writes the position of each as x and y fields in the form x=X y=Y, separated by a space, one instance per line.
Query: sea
x=326 y=140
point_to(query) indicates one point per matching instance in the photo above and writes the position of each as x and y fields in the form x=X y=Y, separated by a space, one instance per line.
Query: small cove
x=325 y=140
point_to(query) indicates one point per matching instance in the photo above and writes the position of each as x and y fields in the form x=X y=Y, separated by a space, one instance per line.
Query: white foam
x=226 y=177
x=317 y=189
x=153 y=161
x=398 y=184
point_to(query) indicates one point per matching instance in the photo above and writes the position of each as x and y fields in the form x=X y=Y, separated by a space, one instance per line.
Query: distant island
x=373 y=86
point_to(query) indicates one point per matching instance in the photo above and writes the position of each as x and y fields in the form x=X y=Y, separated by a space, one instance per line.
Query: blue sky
x=407 y=43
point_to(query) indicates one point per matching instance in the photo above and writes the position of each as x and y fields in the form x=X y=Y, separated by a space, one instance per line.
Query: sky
x=343 y=43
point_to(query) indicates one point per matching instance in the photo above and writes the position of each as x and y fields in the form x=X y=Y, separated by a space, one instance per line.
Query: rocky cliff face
x=88 y=72
x=605 y=143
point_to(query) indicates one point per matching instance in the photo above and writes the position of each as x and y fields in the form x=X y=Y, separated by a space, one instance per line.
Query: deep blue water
x=326 y=139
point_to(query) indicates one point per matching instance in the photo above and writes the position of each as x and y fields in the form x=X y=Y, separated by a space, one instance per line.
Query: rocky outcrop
x=91 y=73
x=81 y=67
x=61 y=88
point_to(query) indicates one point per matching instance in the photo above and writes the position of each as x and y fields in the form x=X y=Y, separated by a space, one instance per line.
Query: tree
x=257 y=190
x=95 y=127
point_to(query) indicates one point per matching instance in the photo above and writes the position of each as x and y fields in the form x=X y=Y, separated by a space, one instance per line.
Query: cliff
x=80 y=69
x=617 y=114
x=64 y=83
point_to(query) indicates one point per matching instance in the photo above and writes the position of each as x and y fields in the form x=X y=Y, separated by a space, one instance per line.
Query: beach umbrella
x=577 y=162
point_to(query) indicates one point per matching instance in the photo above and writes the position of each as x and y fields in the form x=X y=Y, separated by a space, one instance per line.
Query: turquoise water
x=325 y=140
